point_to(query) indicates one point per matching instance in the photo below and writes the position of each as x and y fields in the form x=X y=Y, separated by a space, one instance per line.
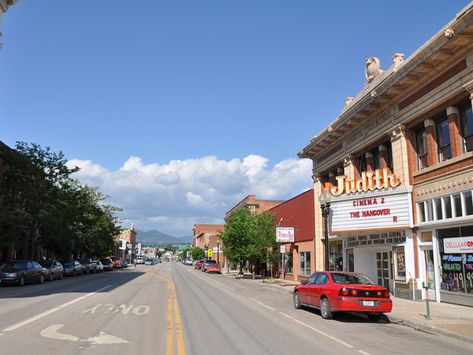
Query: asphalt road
x=170 y=308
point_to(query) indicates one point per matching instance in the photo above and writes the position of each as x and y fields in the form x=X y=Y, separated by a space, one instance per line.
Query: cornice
x=394 y=81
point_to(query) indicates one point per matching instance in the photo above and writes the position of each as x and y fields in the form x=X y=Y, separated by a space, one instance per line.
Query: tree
x=248 y=236
x=197 y=253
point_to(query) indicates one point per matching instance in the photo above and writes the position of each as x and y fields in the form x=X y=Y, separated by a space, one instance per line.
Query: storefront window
x=438 y=208
x=336 y=256
x=457 y=259
x=400 y=263
x=289 y=263
x=448 y=206
x=458 y=205
x=304 y=263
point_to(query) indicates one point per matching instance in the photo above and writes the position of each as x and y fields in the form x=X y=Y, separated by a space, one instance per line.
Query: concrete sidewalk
x=446 y=319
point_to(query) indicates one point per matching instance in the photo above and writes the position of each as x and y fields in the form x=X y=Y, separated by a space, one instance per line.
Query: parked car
x=207 y=263
x=19 y=272
x=188 y=262
x=88 y=266
x=54 y=269
x=338 y=291
x=150 y=261
x=139 y=260
x=198 y=265
x=107 y=264
x=72 y=267
x=117 y=262
x=98 y=266
x=213 y=267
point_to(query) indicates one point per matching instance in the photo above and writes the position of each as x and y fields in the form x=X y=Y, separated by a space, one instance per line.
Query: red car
x=117 y=262
x=213 y=267
x=199 y=264
x=338 y=291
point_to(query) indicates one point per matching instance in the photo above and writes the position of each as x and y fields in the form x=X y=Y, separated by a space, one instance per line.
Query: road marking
x=169 y=330
x=363 y=352
x=179 y=334
x=101 y=339
x=55 y=309
x=264 y=305
x=285 y=315
x=324 y=334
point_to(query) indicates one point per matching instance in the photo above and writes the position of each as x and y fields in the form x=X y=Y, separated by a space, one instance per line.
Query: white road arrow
x=102 y=339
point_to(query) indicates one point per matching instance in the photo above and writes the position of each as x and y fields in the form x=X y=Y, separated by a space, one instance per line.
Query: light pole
x=324 y=200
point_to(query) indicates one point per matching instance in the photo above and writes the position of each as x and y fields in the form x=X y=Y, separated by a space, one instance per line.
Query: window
x=466 y=127
x=457 y=203
x=289 y=264
x=321 y=279
x=468 y=203
x=438 y=209
x=421 y=212
x=448 y=206
x=443 y=139
x=304 y=263
x=421 y=147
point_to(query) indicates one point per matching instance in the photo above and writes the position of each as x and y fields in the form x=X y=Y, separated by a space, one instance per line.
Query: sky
x=179 y=109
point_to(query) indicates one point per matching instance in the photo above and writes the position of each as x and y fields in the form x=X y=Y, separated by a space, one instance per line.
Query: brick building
x=207 y=236
x=253 y=204
x=297 y=213
x=397 y=164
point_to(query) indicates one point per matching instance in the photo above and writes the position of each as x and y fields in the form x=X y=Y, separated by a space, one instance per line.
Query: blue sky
x=178 y=109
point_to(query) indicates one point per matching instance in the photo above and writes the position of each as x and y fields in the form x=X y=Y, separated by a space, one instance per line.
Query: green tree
x=249 y=237
x=197 y=253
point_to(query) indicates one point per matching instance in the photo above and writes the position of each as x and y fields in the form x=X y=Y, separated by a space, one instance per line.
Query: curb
x=431 y=329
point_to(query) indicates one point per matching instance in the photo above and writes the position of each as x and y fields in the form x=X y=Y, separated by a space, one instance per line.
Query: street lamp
x=324 y=200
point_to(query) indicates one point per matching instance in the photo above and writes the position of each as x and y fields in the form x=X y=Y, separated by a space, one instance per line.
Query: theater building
x=397 y=168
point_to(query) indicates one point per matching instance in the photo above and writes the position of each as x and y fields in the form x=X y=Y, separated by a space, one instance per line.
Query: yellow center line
x=174 y=325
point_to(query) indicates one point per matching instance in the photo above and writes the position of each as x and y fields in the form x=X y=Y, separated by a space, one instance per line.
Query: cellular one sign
x=375 y=201
x=458 y=245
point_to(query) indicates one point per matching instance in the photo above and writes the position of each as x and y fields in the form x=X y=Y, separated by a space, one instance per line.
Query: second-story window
x=421 y=147
x=466 y=123
x=443 y=139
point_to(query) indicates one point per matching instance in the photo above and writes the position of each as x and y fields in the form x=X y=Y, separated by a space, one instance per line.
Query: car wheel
x=375 y=316
x=41 y=279
x=297 y=301
x=325 y=309
x=21 y=282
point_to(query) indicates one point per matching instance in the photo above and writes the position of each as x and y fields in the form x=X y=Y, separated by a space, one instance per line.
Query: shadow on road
x=75 y=284
x=350 y=317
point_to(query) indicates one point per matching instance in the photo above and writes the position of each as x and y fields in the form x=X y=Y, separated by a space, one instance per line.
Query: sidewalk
x=446 y=319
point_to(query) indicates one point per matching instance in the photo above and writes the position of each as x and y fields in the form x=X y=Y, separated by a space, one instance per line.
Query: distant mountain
x=155 y=237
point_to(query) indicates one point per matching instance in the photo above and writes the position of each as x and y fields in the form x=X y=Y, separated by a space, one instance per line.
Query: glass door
x=383 y=269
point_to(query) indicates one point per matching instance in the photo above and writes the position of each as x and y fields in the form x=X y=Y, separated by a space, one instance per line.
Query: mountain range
x=155 y=237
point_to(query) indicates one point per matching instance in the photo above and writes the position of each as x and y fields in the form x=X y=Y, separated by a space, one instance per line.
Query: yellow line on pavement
x=174 y=325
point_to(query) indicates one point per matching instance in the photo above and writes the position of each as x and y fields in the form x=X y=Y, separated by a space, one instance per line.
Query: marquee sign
x=369 y=181
x=376 y=210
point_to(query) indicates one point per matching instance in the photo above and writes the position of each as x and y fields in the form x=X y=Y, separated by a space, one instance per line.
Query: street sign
x=282 y=249
x=209 y=253
x=285 y=234
x=129 y=245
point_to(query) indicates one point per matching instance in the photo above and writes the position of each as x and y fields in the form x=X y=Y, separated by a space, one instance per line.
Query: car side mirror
x=303 y=282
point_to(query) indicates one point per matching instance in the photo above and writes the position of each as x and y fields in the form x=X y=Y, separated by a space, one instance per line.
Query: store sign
x=372 y=211
x=458 y=245
x=369 y=181
x=393 y=238
x=285 y=234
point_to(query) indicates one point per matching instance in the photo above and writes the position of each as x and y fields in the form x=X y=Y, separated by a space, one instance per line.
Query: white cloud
x=172 y=197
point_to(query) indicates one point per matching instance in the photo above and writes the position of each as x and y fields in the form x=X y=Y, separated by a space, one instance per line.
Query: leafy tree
x=197 y=253
x=248 y=236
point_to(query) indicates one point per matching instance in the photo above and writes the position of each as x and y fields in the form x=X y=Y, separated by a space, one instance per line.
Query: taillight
x=354 y=292
x=344 y=292
x=386 y=294
x=379 y=294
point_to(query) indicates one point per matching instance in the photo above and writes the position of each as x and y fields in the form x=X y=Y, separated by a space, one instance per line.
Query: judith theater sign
x=375 y=201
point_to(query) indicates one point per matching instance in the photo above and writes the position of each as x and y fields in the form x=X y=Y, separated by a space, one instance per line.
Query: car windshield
x=47 y=263
x=17 y=265
x=211 y=262
x=68 y=263
x=105 y=261
x=351 y=279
